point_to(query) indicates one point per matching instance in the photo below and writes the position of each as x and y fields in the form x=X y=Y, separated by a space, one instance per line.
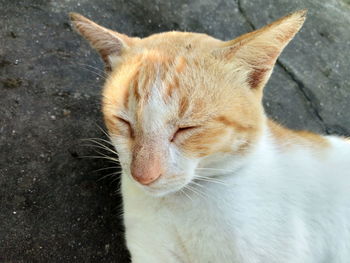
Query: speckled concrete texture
x=54 y=206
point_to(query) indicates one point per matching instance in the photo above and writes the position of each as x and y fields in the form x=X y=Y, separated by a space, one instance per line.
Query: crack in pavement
x=245 y=16
x=305 y=93
x=300 y=85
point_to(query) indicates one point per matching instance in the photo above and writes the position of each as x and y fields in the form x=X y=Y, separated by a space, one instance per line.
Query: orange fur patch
x=184 y=104
x=257 y=77
x=171 y=87
x=235 y=125
x=290 y=138
x=181 y=65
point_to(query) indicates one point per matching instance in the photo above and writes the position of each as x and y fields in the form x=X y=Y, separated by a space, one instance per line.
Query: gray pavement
x=53 y=207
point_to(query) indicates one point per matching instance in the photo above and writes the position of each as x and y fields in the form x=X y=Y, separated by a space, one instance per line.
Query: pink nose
x=146 y=165
x=144 y=177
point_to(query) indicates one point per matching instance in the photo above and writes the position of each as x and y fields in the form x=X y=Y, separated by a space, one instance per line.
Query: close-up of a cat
x=207 y=176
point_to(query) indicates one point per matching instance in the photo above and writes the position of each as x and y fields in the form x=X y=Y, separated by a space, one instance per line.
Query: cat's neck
x=274 y=142
x=260 y=153
x=286 y=139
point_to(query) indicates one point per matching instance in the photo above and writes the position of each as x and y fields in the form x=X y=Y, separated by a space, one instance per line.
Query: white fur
x=275 y=206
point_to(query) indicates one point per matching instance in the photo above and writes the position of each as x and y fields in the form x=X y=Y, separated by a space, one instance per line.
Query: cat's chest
x=217 y=224
x=211 y=222
x=181 y=224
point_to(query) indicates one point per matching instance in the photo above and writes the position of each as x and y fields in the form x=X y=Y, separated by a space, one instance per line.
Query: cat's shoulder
x=288 y=139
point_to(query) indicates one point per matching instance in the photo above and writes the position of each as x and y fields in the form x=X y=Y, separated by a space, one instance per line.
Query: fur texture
x=207 y=177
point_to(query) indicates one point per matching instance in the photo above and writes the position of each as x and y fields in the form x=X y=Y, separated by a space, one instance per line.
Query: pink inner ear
x=256 y=77
x=107 y=42
x=260 y=49
x=262 y=66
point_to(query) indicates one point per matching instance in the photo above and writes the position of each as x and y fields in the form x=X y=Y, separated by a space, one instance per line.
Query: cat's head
x=177 y=102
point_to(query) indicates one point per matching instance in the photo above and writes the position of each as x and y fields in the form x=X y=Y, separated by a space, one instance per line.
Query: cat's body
x=283 y=205
x=206 y=176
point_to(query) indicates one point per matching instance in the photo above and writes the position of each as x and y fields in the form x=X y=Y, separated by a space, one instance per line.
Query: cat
x=206 y=175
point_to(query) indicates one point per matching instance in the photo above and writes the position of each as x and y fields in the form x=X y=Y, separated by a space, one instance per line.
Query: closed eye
x=182 y=130
x=127 y=124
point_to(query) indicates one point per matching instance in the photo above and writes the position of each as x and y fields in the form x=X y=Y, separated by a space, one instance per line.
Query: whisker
x=197 y=184
x=213 y=169
x=104 y=155
x=184 y=192
x=92 y=69
x=201 y=191
x=196 y=191
x=97 y=140
x=100 y=157
x=187 y=187
x=98 y=69
x=104 y=132
x=107 y=168
x=107 y=175
x=209 y=179
x=94 y=147
x=96 y=73
x=100 y=147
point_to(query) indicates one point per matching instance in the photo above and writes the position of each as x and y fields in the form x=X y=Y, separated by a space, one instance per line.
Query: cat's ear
x=109 y=44
x=256 y=53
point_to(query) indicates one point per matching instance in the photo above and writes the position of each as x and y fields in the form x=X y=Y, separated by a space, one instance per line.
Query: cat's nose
x=146 y=165
x=144 y=178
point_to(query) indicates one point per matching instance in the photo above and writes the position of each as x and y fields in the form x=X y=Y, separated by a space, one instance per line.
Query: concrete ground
x=53 y=205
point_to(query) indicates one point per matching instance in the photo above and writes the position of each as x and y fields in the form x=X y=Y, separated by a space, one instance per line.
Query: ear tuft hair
x=258 y=51
x=108 y=43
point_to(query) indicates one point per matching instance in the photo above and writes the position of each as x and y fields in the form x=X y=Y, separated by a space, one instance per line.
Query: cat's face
x=175 y=101
x=169 y=106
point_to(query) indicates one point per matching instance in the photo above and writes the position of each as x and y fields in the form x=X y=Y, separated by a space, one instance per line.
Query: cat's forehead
x=171 y=59
x=166 y=78
x=155 y=72
x=174 y=42
x=158 y=87
x=153 y=88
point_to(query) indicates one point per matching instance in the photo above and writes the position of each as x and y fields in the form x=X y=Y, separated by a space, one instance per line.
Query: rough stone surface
x=53 y=207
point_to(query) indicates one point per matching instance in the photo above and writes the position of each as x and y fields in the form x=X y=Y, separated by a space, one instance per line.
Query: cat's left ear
x=109 y=44
x=254 y=54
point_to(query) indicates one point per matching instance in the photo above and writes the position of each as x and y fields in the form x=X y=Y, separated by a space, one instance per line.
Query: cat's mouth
x=166 y=184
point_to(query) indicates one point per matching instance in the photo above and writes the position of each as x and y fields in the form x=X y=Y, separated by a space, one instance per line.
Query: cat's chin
x=161 y=193
x=164 y=188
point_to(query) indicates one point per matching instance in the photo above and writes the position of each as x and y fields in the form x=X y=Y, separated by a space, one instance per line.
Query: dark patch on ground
x=11 y=82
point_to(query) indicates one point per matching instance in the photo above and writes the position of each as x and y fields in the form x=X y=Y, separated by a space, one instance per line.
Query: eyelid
x=127 y=123
x=182 y=130
x=122 y=120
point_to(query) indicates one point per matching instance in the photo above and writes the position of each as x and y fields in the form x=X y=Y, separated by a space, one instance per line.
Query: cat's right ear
x=109 y=44
x=254 y=54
